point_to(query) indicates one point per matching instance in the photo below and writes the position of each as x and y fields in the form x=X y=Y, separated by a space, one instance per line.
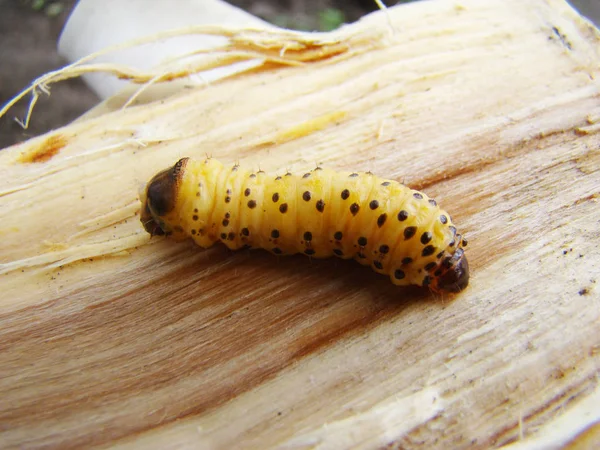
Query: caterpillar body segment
x=398 y=231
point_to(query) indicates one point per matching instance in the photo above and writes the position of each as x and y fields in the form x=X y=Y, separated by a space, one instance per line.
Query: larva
x=398 y=231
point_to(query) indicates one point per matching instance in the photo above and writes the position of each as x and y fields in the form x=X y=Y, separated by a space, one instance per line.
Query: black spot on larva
x=194 y=217
x=338 y=252
x=195 y=210
x=447 y=262
x=426 y=281
x=306 y=175
x=385 y=183
x=193 y=231
x=437 y=273
x=317 y=168
x=354 y=208
x=252 y=175
x=440 y=254
x=345 y=194
x=309 y=251
x=277 y=251
x=252 y=204
x=407 y=260
x=288 y=174
x=384 y=249
x=426 y=237
x=231 y=236
x=247 y=192
x=228 y=192
x=234 y=168
x=275 y=197
x=432 y=265
x=464 y=242
x=338 y=235
x=353 y=175
x=275 y=234
x=227 y=199
x=451 y=244
x=443 y=219
x=418 y=195
x=452 y=228
x=277 y=178
x=283 y=208
x=374 y=204
x=308 y=236
x=361 y=255
x=197 y=194
x=223 y=236
x=402 y=215
x=399 y=274
x=427 y=251
x=381 y=220
x=362 y=241
x=227 y=215
x=245 y=232
x=409 y=232
x=320 y=206
x=225 y=222
x=306 y=196
x=432 y=202
x=378 y=265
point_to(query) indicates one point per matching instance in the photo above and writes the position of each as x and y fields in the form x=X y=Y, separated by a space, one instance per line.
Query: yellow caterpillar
x=398 y=231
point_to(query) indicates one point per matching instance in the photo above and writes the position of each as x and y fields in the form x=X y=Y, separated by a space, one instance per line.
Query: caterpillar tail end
x=456 y=277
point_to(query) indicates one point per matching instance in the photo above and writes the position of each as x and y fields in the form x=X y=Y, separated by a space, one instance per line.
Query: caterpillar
x=396 y=230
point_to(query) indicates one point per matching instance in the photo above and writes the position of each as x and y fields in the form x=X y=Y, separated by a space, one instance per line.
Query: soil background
x=29 y=31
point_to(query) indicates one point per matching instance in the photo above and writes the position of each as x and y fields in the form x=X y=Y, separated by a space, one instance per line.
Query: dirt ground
x=29 y=31
x=28 y=49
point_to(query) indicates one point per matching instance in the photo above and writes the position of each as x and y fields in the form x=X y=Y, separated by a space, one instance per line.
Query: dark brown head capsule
x=160 y=198
x=455 y=274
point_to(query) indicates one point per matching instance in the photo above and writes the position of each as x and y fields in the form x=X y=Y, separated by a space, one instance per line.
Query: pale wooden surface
x=492 y=107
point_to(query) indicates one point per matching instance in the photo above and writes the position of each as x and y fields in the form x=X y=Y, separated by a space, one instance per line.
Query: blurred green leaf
x=54 y=9
x=38 y=5
x=330 y=19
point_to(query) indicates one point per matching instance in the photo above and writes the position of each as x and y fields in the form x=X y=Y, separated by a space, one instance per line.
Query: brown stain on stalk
x=45 y=151
x=155 y=338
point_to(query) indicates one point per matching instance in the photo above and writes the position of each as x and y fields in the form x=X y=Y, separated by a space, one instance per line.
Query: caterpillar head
x=454 y=274
x=160 y=197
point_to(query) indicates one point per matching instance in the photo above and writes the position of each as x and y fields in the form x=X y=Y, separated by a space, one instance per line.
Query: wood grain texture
x=110 y=338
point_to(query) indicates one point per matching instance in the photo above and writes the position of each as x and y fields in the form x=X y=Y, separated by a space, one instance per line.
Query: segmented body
x=396 y=230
